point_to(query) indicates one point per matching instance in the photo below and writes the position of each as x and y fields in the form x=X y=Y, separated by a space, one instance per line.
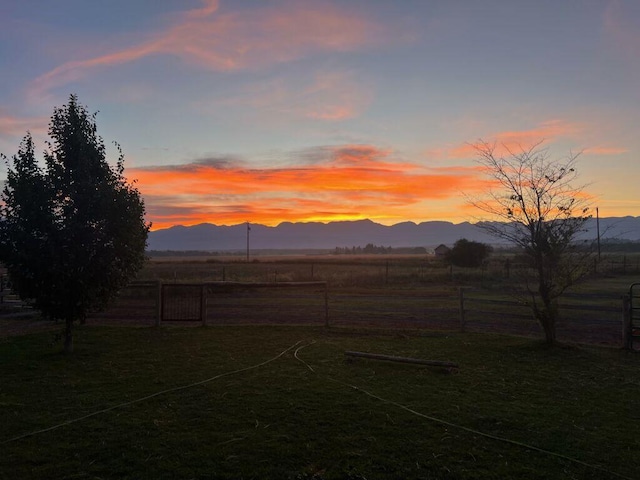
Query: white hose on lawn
x=142 y=399
x=466 y=429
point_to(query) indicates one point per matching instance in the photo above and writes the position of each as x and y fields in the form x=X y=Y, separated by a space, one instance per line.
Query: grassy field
x=366 y=271
x=284 y=403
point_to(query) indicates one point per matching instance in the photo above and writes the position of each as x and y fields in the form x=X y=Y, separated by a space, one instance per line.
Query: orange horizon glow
x=356 y=182
x=348 y=182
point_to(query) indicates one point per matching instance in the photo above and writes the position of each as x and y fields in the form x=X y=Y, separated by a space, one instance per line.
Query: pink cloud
x=209 y=7
x=16 y=126
x=514 y=141
x=326 y=96
x=237 y=40
x=602 y=150
x=336 y=96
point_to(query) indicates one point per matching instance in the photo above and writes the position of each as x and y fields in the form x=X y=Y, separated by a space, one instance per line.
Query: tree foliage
x=541 y=211
x=467 y=253
x=72 y=233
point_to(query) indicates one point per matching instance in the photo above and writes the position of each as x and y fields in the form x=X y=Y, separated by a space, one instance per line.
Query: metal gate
x=182 y=302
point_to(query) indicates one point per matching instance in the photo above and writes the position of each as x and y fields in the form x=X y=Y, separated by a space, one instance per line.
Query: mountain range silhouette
x=317 y=235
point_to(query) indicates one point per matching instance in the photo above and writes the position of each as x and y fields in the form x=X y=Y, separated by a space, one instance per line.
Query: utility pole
x=598 y=230
x=248 y=230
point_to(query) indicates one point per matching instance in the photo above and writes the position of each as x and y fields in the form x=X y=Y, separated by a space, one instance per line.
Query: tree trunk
x=548 y=316
x=546 y=321
x=549 y=331
x=68 y=336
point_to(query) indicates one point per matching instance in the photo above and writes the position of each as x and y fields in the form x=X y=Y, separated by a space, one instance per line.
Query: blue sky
x=291 y=110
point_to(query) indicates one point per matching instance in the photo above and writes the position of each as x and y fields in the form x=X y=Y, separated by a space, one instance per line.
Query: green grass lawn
x=310 y=413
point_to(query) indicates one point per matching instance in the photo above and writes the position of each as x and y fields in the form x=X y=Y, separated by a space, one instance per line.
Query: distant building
x=441 y=250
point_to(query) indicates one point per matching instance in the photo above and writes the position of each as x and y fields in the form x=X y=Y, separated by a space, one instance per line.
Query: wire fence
x=585 y=318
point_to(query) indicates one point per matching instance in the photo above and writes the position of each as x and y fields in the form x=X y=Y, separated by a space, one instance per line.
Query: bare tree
x=542 y=212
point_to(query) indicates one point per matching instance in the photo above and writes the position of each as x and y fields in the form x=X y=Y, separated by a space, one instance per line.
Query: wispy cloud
x=336 y=96
x=243 y=39
x=514 y=141
x=12 y=126
x=547 y=132
x=327 y=96
x=604 y=150
x=353 y=181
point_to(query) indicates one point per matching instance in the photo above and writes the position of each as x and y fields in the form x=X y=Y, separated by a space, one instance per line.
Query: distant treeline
x=619 y=246
x=370 y=248
x=180 y=253
x=608 y=245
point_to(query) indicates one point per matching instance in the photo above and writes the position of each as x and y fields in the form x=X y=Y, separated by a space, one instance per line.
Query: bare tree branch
x=536 y=206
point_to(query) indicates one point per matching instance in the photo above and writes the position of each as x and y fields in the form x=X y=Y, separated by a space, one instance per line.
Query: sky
x=267 y=111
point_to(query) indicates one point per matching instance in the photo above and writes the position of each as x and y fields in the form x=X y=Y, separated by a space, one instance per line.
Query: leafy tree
x=467 y=253
x=72 y=233
x=542 y=212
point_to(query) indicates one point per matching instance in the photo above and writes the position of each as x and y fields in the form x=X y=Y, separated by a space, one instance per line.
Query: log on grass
x=391 y=358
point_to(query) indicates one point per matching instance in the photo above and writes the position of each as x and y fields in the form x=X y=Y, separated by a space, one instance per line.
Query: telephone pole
x=248 y=230
x=598 y=229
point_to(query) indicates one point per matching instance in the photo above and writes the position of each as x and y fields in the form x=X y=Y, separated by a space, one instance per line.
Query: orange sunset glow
x=352 y=182
x=277 y=111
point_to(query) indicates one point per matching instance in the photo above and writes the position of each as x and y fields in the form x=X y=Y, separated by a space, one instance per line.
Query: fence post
x=461 y=297
x=627 y=338
x=159 y=304
x=203 y=304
